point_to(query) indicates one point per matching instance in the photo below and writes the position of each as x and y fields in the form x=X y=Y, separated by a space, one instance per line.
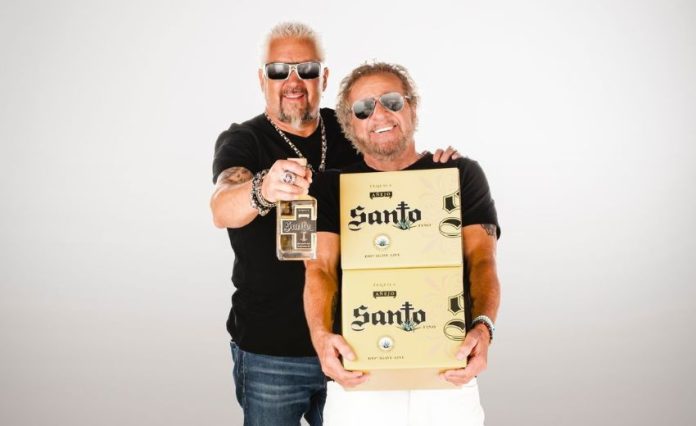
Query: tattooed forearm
x=490 y=229
x=234 y=175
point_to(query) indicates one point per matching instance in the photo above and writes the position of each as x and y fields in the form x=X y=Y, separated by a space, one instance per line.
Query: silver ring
x=289 y=177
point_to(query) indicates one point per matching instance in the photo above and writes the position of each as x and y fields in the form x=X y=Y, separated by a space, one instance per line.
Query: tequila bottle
x=296 y=226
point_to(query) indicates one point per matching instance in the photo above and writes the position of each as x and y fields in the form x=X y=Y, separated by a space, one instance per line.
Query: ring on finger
x=289 y=178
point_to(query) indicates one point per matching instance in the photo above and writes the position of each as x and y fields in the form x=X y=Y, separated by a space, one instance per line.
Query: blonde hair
x=292 y=30
x=344 y=111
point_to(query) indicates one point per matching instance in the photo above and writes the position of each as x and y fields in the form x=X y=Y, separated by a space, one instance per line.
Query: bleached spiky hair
x=292 y=30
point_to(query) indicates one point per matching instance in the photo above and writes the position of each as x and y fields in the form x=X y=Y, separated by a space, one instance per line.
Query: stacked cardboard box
x=402 y=295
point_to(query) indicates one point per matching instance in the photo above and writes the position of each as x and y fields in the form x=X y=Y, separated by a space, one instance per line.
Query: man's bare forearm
x=230 y=201
x=320 y=298
x=321 y=286
x=479 y=244
x=485 y=288
x=480 y=251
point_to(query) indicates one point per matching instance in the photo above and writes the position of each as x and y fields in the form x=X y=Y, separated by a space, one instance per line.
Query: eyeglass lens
x=364 y=108
x=281 y=70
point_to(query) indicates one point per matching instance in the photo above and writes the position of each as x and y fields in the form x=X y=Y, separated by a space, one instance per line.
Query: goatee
x=297 y=120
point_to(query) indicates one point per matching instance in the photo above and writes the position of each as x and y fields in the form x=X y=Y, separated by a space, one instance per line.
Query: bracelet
x=259 y=196
x=482 y=319
x=257 y=200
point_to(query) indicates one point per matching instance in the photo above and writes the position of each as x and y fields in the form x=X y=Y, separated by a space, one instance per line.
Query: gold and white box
x=404 y=325
x=403 y=310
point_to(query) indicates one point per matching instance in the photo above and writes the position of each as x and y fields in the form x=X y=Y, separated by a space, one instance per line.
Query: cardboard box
x=401 y=254
x=400 y=219
x=404 y=325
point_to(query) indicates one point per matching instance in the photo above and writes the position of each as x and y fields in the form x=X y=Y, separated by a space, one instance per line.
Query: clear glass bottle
x=296 y=226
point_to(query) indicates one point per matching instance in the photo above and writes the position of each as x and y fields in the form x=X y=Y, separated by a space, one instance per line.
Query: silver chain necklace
x=322 y=164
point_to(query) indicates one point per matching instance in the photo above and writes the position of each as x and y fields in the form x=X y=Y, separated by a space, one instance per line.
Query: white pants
x=409 y=408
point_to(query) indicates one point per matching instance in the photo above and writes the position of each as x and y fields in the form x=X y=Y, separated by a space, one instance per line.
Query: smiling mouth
x=383 y=129
x=293 y=95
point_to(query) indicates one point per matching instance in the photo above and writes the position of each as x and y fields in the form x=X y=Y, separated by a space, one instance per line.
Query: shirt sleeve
x=477 y=205
x=325 y=189
x=236 y=147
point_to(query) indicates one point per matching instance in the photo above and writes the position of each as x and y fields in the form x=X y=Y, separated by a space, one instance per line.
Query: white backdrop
x=115 y=284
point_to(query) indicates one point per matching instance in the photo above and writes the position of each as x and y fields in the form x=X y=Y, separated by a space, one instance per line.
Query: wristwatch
x=482 y=319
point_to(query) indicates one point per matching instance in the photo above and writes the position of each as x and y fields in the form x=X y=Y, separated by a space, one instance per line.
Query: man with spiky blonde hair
x=277 y=375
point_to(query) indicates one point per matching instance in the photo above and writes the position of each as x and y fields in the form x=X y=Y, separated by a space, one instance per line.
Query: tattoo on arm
x=234 y=175
x=490 y=229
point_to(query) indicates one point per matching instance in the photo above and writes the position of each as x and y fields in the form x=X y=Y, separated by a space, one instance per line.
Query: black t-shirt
x=477 y=206
x=267 y=315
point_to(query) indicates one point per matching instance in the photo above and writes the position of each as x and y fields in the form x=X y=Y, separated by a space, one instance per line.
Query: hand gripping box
x=402 y=293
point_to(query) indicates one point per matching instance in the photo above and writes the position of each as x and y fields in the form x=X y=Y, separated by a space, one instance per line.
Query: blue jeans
x=278 y=391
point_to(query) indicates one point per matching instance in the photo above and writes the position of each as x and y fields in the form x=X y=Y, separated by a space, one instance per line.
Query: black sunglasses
x=393 y=101
x=282 y=70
